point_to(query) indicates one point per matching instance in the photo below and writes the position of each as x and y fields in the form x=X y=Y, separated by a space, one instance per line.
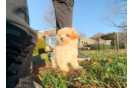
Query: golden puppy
x=67 y=50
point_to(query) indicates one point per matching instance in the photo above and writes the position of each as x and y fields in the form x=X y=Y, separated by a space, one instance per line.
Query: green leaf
x=108 y=69
x=77 y=78
x=103 y=85
x=63 y=85
x=82 y=81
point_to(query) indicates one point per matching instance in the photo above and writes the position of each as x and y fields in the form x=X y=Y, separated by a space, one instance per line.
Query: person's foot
x=19 y=50
x=82 y=56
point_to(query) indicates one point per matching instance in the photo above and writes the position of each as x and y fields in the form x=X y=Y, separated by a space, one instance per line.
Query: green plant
x=88 y=45
x=101 y=46
x=94 y=46
x=106 y=74
x=40 y=46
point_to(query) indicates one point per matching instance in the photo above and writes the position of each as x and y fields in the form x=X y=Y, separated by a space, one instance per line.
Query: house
x=83 y=42
x=101 y=41
x=49 y=37
x=108 y=42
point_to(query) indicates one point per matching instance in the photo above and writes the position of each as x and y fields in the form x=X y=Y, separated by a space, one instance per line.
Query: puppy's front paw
x=67 y=69
x=54 y=66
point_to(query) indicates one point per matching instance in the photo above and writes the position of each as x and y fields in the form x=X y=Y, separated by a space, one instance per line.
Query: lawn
x=105 y=70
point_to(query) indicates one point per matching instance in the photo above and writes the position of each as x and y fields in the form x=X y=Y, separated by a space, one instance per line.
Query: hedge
x=40 y=46
x=95 y=46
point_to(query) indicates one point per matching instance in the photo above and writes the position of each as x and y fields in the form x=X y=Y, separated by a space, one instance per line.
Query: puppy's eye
x=67 y=35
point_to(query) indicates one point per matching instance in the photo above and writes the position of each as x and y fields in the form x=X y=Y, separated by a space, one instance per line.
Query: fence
x=119 y=44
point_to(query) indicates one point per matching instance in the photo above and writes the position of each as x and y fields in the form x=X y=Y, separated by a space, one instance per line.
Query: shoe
x=19 y=52
x=82 y=56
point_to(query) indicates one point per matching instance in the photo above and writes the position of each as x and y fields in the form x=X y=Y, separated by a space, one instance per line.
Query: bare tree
x=80 y=33
x=49 y=16
x=117 y=14
x=50 y=20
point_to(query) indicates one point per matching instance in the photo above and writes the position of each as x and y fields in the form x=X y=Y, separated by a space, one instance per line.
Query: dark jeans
x=17 y=14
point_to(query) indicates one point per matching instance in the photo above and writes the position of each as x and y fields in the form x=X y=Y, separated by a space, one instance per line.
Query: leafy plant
x=40 y=46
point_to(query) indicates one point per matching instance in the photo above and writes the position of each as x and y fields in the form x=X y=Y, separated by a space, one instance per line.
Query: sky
x=87 y=15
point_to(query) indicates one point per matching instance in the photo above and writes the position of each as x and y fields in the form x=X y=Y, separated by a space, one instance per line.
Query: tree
x=97 y=35
x=122 y=38
x=50 y=20
x=49 y=16
x=80 y=33
x=117 y=14
x=109 y=36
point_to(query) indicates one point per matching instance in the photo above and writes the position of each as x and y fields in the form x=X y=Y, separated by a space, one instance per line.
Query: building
x=83 y=42
x=101 y=41
x=49 y=37
x=108 y=42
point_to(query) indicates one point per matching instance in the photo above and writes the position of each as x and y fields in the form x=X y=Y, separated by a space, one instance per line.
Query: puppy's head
x=66 y=35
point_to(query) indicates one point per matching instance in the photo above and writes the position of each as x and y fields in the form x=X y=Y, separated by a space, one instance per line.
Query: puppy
x=67 y=50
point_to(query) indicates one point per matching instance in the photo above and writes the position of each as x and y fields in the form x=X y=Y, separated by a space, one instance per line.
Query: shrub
x=40 y=46
x=88 y=45
x=94 y=46
x=101 y=46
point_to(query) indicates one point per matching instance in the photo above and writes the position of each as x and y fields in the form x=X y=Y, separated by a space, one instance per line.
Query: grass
x=105 y=70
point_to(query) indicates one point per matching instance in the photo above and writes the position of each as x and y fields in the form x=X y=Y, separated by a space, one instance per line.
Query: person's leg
x=64 y=14
x=20 y=42
x=17 y=14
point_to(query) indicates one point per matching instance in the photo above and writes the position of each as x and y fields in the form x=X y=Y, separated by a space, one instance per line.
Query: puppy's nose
x=61 y=38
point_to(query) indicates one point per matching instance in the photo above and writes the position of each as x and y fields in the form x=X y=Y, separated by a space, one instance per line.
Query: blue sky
x=86 y=16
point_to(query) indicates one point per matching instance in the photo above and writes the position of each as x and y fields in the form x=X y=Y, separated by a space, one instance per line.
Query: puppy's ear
x=74 y=34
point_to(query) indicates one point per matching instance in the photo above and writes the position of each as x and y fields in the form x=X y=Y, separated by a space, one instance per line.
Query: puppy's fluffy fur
x=67 y=50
